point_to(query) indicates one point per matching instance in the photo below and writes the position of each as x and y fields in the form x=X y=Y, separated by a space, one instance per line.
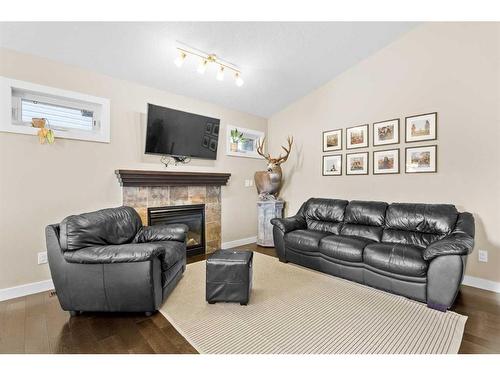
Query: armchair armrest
x=454 y=244
x=126 y=253
x=459 y=242
x=290 y=223
x=161 y=232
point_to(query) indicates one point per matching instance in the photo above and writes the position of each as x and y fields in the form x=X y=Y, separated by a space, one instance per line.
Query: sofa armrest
x=161 y=232
x=454 y=244
x=290 y=223
x=126 y=253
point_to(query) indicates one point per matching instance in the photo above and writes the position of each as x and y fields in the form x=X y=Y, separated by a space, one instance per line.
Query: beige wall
x=451 y=68
x=43 y=184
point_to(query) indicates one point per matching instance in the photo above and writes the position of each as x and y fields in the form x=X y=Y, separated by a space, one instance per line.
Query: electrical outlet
x=42 y=257
x=483 y=256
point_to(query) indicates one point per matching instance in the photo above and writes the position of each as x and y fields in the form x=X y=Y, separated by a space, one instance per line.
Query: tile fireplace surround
x=143 y=189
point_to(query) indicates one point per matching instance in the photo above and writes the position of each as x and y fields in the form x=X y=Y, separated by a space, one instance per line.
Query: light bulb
x=203 y=66
x=239 y=81
x=180 y=59
x=220 y=74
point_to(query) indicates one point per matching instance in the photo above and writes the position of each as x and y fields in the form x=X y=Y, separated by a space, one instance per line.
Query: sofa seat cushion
x=348 y=248
x=396 y=258
x=305 y=239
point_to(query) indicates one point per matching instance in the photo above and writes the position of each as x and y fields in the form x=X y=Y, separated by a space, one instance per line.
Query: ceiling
x=280 y=61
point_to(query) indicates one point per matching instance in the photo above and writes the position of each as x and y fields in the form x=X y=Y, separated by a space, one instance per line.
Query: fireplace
x=192 y=215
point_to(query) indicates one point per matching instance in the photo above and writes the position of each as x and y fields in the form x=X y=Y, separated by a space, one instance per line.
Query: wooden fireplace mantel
x=128 y=177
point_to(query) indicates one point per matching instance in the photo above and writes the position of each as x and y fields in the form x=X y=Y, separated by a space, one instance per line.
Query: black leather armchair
x=107 y=261
x=415 y=250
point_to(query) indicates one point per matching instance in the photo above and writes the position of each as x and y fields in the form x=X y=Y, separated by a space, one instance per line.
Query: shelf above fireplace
x=128 y=177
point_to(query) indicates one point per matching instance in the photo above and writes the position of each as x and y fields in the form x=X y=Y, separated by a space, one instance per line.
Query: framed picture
x=421 y=127
x=215 y=130
x=332 y=165
x=386 y=132
x=357 y=163
x=332 y=140
x=357 y=137
x=242 y=142
x=421 y=159
x=386 y=161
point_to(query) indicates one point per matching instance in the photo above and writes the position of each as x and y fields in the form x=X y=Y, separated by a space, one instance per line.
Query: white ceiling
x=280 y=61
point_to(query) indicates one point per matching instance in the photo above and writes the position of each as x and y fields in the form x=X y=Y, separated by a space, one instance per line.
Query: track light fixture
x=220 y=74
x=180 y=59
x=205 y=59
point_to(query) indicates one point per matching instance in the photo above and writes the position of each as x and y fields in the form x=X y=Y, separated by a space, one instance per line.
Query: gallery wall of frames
x=385 y=137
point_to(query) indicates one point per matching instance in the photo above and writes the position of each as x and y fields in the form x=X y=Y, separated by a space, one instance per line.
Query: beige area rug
x=297 y=310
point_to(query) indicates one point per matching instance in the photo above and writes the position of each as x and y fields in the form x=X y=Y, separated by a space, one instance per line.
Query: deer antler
x=282 y=159
x=260 y=146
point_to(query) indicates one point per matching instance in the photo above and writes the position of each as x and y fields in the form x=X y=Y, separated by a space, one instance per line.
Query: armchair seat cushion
x=168 y=253
x=305 y=239
x=348 y=248
x=396 y=258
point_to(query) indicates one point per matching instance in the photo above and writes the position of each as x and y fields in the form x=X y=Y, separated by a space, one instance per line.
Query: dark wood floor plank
x=156 y=338
x=14 y=326
x=37 y=324
x=36 y=338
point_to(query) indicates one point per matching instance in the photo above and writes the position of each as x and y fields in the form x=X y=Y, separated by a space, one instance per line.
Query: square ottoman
x=229 y=276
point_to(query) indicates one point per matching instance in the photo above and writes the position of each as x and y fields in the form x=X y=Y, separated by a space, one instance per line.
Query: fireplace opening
x=191 y=215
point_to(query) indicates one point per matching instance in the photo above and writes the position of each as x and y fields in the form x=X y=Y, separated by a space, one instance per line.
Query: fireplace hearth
x=192 y=215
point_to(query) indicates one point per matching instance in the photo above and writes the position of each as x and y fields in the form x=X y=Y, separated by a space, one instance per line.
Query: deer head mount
x=268 y=182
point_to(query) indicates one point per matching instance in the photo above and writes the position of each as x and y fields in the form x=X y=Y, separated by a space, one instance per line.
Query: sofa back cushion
x=325 y=214
x=111 y=226
x=418 y=224
x=364 y=219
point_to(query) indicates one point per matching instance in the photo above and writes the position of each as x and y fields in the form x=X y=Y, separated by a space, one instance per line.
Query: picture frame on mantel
x=243 y=142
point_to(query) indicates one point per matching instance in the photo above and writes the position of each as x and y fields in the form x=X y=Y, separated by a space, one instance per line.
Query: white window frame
x=9 y=93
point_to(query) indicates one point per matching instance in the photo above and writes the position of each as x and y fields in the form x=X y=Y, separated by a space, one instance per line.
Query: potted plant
x=236 y=137
x=45 y=134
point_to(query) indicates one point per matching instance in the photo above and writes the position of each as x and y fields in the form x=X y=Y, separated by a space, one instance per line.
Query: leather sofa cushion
x=348 y=248
x=411 y=238
x=162 y=232
x=365 y=213
x=110 y=226
x=425 y=218
x=305 y=239
x=396 y=258
x=366 y=231
x=325 y=214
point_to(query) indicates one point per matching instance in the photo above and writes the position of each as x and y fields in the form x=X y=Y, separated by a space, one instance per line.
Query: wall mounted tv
x=181 y=134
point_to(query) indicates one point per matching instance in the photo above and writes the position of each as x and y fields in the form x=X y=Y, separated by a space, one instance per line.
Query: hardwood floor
x=36 y=324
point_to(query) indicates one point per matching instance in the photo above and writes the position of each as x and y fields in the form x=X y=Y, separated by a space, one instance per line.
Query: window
x=71 y=115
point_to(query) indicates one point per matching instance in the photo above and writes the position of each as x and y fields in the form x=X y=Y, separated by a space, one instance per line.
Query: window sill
x=65 y=134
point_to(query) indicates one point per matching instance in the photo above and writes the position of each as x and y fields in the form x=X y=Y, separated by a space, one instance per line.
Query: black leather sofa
x=414 y=250
x=107 y=261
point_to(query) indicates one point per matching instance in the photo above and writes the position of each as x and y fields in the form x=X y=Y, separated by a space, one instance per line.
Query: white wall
x=451 y=68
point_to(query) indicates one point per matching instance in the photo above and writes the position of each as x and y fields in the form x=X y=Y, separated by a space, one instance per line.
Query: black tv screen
x=177 y=133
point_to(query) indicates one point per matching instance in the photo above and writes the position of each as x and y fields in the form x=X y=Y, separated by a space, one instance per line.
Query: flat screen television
x=181 y=134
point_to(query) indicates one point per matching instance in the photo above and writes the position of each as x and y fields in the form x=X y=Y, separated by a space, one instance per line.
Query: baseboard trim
x=43 y=286
x=26 y=289
x=477 y=282
x=240 y=242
